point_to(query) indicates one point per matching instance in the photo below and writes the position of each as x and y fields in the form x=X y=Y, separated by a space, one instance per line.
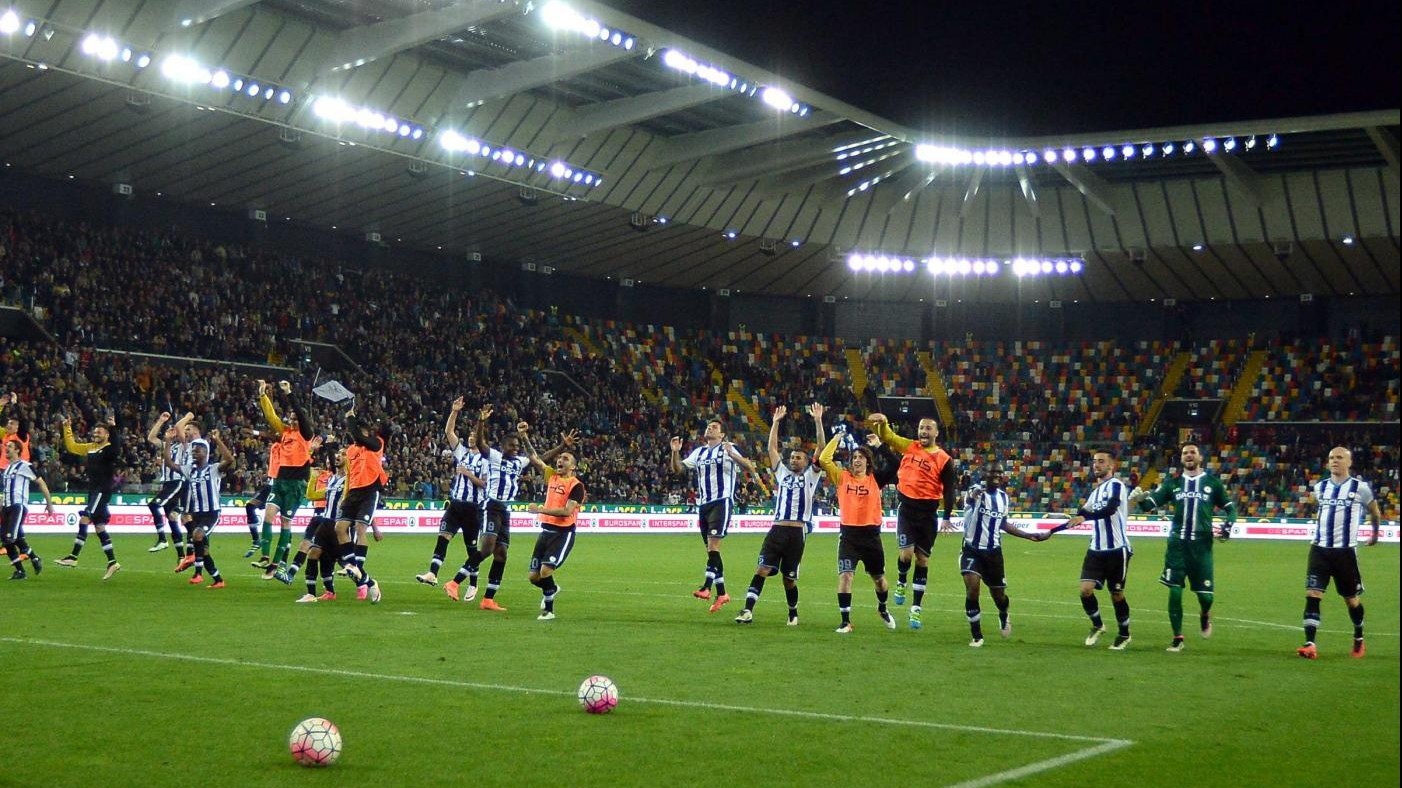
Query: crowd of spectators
x=416 y=344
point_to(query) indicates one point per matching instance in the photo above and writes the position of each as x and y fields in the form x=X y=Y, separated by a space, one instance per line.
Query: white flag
x=334 y=391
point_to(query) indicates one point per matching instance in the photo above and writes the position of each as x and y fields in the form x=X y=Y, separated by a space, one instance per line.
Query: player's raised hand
x=568 y=438
x=522 y=428
x=873 y=440
x=457 y=404
x=214 y=435
x=262 y=387
x=780 y=412
x=876 y=418
x=313 y=444
x=163 y=418
x=284 y=386
x=676 y=443
x=484 y=413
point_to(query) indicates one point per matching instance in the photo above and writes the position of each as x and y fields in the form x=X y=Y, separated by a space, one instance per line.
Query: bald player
x=1341 y=498
x=925 y=478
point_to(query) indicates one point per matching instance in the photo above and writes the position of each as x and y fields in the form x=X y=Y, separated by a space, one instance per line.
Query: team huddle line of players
x=346 y=493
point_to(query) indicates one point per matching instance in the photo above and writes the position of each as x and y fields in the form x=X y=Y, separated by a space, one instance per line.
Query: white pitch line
x=1043 y=766
x=360 y=674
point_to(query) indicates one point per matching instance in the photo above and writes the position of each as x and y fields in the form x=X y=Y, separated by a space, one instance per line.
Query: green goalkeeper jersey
x=1194 y=498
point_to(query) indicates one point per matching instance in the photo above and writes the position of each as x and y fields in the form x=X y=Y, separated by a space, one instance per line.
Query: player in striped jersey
x=319 y=542
x=170 y=500
x=100 y=458
x=466 y=496
x=17 y=477
x=796 y=483
x=715 y=465
x=1341 y=499
x=981 y=558
x=1194 y=493
x=504 y=468
x=205 y=478
x=1107 y=559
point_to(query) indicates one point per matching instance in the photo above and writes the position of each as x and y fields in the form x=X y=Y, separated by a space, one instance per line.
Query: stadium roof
x=575 y=137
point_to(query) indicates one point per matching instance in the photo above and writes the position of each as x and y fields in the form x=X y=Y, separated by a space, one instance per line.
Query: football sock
x=1002 y=602
x=251 y=518
x=176 y=534
x=975 y=616
x=265 y=542
x=922 y=573
x=209 y=562
x=1356 y=613
x=12 y=550
x=1122 y=615
x=549 y=589
x=710 y=572
x=156 y=518
x=1311 y=618
x=1175 y=609
x=461 y=574
x=298 y=561
x=327 y=565
x=902 y=569
x=791 y=594
x=756 y=588
x=1205 y=603
x=718 y=565
x=844 y=606
x=199 y=559
x=440 y=548
x=1092 y=608
x=80 y=540
x=253 y=531
x=284 y=545
x=106 y=540
x=494 y=576
x=361 y=551
x=881 y=597
x=311 y=581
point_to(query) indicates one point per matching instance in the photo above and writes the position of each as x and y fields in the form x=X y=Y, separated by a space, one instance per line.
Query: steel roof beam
x=360 y=45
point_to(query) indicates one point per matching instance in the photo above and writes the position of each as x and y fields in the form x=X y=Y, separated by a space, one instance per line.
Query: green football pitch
x=144 y=680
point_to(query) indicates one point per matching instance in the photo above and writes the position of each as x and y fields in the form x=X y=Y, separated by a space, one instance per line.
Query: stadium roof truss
x=423 y=120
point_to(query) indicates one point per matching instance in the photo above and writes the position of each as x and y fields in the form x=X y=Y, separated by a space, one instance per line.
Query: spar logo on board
x=620 y=522
x=395 y=521
x=670 y=524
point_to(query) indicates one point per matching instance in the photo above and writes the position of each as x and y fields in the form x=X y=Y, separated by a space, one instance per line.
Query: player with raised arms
x=715 y=463
x=564 y=494
x=100 y=458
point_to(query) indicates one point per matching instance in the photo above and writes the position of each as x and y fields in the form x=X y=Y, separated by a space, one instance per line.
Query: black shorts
x=260 y=498
x=325 y=537
x=783 y=549
x=860 y=544
x=359 y=505
x=552 y=547
x=309 y=533
x=12 y=522
x=497 y=522
x=915 y=524
x=714 y=519
x=1339 y=564
x=96 y=510
x=987 y=564
x=205 y=520
x=461 y=516
x=171 y=498
x=1107 y=568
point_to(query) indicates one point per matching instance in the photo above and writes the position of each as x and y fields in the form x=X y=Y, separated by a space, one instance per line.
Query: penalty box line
x=1099 y=745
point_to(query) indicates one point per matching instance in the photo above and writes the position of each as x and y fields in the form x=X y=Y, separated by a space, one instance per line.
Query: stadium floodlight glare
x=1068 y=156
x=1168 y=148
x=1148 y=150
x=558 y=169
x=1189 y=147
x=9 y=22
x=182 y=69
x=1272 y=142
x=1251 y=142
x=1209 y=145
x=1347 y=240
x=1108 y=152
x=1088 y=154
x=1128 y=151
x=219 y=79
x=1229 y=144
x=252 y=89
x=777 y=98
x=730 y=235
x=1077 y=266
